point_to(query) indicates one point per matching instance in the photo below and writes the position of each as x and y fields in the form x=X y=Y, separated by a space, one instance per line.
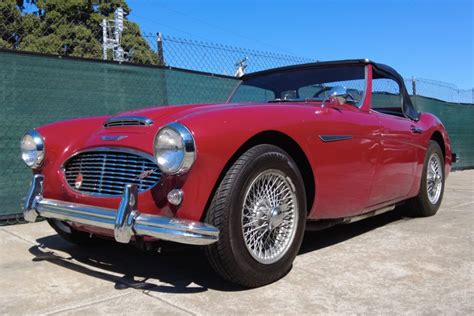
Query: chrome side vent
x=128 y=121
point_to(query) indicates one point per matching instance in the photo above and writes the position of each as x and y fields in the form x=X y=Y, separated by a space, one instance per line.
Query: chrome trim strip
x=334 y=138
x=232 y=93
x=126 y=222
x=356 y=218
x=141 y=120
x=113 y=137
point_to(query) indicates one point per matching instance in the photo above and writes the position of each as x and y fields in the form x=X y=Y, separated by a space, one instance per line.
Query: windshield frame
x=251 y=76
x=234 y=90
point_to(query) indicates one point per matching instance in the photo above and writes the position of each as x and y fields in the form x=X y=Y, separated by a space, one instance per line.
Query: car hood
x=67 y=137
x=173 y=112
x=169 y=113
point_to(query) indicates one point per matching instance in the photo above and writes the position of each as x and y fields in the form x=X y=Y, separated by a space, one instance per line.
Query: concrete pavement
x=386 y=264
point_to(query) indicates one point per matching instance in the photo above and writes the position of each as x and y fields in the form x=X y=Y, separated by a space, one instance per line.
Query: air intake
x=128 y=121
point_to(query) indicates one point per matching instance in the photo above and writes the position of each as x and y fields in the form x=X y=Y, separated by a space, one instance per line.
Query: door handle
x=415 y=129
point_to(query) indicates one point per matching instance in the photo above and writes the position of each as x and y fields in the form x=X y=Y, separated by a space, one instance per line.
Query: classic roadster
x=294 y=148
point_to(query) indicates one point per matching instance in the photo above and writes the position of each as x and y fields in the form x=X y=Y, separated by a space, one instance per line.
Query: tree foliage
x=68 y=27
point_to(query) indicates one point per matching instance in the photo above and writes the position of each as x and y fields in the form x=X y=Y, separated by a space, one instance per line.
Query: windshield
x=309 y=84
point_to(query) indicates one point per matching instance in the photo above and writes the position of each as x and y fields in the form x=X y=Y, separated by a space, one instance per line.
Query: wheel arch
x=438 y=137
x=286 y=143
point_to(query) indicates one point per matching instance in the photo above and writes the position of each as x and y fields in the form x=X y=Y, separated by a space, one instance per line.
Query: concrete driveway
x=386 y=264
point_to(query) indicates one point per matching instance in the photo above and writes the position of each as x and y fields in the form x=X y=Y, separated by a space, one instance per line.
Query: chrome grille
x=106 y=172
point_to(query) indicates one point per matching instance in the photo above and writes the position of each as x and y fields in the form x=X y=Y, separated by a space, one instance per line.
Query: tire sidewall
x=428 y=207
x=274 y=159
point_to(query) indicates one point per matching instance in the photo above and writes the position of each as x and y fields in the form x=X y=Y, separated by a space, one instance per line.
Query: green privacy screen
x=459 y=121
x=35 y=90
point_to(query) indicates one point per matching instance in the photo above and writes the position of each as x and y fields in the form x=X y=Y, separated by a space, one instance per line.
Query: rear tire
x=260 y=210
x=429 y=199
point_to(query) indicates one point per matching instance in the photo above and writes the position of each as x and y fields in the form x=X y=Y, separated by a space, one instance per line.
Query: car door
x=346 y=151
x=396 y=165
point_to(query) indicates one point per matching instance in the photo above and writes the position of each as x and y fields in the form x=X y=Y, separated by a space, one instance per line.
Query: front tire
x=72 y=235
x=428 y=200
x=260 y=210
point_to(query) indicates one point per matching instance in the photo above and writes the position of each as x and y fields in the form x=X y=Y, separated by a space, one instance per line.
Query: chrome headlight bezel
x=187 y=148
x=39 y=149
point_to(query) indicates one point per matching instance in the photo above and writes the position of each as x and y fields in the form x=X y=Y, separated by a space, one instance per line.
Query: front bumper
x=126 y=222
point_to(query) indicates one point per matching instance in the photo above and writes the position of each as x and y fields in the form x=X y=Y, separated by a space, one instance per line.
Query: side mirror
x=337 y=92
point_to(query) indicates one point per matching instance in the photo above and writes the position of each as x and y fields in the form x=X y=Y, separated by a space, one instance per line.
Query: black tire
x=229 y=256
x=420 y=205
x=72 y=235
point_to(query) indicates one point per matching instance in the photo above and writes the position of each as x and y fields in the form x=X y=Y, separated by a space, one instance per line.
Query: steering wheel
x=317 y=94
x=352 y=98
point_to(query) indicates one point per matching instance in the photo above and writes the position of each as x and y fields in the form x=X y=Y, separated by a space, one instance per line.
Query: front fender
x=219 y=135
x=431 y=126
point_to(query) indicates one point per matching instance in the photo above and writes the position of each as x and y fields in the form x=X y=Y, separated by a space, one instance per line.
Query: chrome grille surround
x=120 y=121
x=106 y=171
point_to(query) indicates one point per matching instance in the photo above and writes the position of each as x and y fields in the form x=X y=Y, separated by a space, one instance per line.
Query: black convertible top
x=319 y=64
x=380 y=71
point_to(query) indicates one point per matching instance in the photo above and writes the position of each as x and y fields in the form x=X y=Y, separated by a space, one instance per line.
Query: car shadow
x=177 y=268
x=315 y=240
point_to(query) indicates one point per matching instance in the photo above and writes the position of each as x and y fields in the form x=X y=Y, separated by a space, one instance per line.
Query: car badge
x=146 y=173
x=113 y=137
x=78 y=181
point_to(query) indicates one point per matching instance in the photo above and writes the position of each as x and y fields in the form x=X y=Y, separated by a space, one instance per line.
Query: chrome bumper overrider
x=126 y=222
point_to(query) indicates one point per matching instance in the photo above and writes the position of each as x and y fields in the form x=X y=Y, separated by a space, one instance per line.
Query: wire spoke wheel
x=434 y=178
x=259 y=208
x=269 y=216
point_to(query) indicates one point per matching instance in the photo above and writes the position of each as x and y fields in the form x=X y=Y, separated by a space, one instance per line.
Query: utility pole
x=119 y=54
x=104 y=39
x=113 y=43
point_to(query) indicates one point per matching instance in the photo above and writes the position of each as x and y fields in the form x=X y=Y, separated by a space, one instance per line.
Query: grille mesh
x=107 y=172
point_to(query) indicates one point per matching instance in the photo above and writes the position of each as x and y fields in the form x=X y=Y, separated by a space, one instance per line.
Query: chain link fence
x=216 y=58
x=230 y=60
x=439 y=90
x=78 y=29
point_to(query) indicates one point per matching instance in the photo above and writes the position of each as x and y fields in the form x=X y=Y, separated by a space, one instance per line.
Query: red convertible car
x=305 y=146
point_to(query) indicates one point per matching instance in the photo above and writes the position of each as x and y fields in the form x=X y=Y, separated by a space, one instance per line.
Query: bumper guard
x=126 y=222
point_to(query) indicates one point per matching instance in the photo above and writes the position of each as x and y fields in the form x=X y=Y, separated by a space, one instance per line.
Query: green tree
x=68 y=27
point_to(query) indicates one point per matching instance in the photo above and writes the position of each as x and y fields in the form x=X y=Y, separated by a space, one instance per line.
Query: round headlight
x=32 y=149
x=175 y=150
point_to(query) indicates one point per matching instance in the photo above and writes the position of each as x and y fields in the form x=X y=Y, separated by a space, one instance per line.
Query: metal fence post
x=159 y=45
x=163 y=85
x=413 y=85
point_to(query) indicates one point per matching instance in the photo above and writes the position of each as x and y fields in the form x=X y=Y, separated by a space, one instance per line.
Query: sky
x=420 y=38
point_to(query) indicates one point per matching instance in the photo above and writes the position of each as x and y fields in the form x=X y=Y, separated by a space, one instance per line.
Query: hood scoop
x=120 y=121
